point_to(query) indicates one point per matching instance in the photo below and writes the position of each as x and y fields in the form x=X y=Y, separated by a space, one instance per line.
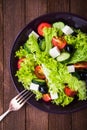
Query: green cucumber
x=63 y=56
x=39 y=81
x=42 y=45
x=58 y=25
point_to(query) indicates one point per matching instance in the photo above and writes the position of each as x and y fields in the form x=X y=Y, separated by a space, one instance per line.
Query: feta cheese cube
x=46 y=71
x=54 y=95
x=34 y=34
x=34 y=86
x=67 y=30
x=54 y=52
x=71 y=68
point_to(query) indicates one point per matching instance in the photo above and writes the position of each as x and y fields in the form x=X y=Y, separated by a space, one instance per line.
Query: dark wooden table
x=14 y=15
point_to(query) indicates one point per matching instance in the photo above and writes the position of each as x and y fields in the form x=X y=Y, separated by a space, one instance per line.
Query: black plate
x=67 y=18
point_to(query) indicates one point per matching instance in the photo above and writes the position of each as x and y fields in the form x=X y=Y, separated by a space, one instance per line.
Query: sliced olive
x=75 y=74
x=74 y=34
x=69 y=48
x=83 y=75
x=43 y=89
x=40 y=39
x=41 y=43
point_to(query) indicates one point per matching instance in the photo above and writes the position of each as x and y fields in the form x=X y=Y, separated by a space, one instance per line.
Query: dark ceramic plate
x=67 y=18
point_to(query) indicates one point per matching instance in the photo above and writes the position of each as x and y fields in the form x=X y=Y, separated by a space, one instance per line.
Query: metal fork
x=17 y=102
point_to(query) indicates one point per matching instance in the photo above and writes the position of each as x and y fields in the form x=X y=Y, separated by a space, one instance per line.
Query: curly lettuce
x=80 y=44
x=58 y=75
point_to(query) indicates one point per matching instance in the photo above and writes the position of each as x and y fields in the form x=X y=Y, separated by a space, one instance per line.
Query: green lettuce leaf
x=80 y=44
x=48 y=35
x=57 y=76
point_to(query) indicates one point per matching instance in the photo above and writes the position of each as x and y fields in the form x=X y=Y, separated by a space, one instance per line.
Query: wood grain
x=58 y=6
x=79 y=7
x=1 y=61
x=36 y=119
x=13 y=22
x=35 y=9
x=79 y=120
x=60 y=122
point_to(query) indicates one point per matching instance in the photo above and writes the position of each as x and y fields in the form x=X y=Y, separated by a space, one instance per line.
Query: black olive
x=74 y=34
x=69 y=48
x=75 y=74
x=40 y=39
x=41 y=43
x=83 y=75
x=43 y=89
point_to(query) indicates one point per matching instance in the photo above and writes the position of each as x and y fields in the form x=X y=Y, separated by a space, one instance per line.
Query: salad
x=52 y=63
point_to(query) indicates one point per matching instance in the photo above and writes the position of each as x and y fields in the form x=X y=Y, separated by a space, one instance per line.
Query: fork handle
x=4 y=114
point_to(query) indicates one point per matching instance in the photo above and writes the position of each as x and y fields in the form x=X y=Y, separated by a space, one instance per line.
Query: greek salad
x=52 y=63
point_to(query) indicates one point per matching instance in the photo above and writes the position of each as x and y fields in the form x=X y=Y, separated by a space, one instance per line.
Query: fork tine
x=24 y=96
x=24 y=93
x=21 y=93
x=25 y=99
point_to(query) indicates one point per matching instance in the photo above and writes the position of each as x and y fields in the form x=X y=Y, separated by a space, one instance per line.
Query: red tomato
x=41 y=26
x=60 y=42
x=39 y=72
x=81 y=65
x=46 y=97
x=69 y=92
x=19 y=62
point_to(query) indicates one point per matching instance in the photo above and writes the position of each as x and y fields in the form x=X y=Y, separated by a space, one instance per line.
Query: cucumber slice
x=41 y=43
x=38 y=81
x=63 y=56
x=58 y=25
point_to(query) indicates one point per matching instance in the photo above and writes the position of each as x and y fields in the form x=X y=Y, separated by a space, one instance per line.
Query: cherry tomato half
x=81 y=65
x=39 y=72
x=69 y=92
x=46 y=97
x=60 y=42
x=19 y=62
x=41 y=26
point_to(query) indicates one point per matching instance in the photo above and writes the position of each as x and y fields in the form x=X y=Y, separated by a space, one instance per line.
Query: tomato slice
x=41 y=26
x=60 y=42
x=46 y=97
x=81 y=65
x=19 y=62
x=39 y=72
x=69 y=92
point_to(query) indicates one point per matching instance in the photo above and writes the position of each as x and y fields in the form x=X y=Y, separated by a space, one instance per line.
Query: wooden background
x=14 y=15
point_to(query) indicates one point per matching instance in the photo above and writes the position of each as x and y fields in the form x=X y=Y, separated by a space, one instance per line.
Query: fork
x=17 y=102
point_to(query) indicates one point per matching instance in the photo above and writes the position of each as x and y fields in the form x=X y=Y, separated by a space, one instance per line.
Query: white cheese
x=54 y=52
x=46 y=71
x=67 y=30
x=34 y=34
x=54 y=95
x=71 y=68
x=34 y=86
